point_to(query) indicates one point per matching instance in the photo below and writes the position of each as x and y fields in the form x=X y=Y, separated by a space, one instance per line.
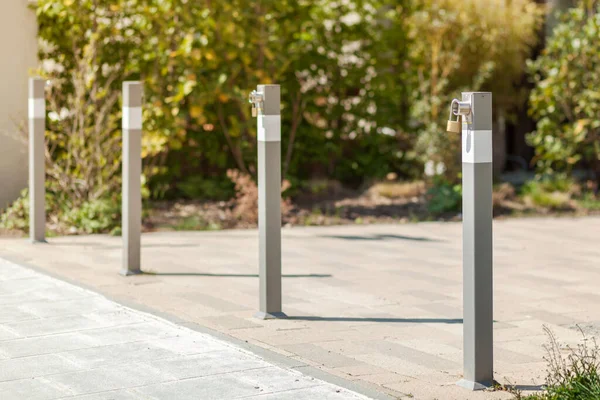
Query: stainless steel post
x=477 y=240
x=132 y=182
x=37 y=166
x=266 y=104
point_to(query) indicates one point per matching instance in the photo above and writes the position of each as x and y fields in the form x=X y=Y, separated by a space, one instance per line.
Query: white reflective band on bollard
x=477 y=146
x=37 y=108
x=132 y=117
x=269 y=128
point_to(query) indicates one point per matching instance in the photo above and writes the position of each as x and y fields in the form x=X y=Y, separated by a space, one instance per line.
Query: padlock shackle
x=458 y=107
x=454 y=107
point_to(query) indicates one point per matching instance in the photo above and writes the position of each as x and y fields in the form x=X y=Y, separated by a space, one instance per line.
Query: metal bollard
x=132 y=182
x=37 y=160
x=476 y=112
x=266 y=107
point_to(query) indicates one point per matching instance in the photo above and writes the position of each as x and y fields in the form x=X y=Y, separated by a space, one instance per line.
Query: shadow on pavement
x=381 y=237
x=526 y=388
x=234 y=275
x=367 y=319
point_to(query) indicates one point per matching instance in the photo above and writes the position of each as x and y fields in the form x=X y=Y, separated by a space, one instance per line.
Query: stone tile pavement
x=379 y=306
x=58 y=341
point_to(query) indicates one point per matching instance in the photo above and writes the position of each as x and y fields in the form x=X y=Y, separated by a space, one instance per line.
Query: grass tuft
x=574 y=376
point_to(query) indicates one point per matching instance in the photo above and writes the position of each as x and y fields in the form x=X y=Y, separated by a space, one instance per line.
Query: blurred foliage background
x=366 y=88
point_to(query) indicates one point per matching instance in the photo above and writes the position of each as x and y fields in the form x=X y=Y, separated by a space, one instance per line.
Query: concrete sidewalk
x=58 y=341
x=379 y=306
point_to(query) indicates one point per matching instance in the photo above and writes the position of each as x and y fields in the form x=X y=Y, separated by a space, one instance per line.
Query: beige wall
x=18 y=49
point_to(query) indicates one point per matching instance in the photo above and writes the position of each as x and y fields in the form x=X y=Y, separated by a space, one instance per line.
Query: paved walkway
x=58 y=341
x=379 y=306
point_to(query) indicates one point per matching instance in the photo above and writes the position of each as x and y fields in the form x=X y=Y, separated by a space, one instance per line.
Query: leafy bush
x=198 y=188
x=362 y=82
x=196 y=223
x=444 y=197
x=101 y=215
x=565 y=101
x=466 y=45
x=96 y=216
x=16 y=217
x=590 y=202
x=555 y=194
x=342 y=109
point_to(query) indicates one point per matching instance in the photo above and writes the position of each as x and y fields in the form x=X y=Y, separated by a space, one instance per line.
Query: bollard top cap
x=132 y=93
x=481 y=110
x=272 y=99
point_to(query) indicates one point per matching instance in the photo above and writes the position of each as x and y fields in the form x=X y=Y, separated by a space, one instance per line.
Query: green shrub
x=554 y=194
x=96 y=216
x=16 y=216
x=444 y=197
x=198 y=188
x=343 y=112
x=565 y=101
x=196 y=223
x=465 y=45
x=590 y=202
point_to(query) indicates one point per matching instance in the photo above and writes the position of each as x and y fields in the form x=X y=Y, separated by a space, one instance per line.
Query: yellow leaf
x=223 y=98
x=581 y=125
x=195 y=111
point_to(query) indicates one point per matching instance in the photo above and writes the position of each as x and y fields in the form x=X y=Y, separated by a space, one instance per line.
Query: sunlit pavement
x=379 y=306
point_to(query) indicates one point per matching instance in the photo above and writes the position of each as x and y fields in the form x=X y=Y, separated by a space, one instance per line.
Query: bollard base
x=36 y=241
x=272 y=315
x=127 y=272
x=474 y=385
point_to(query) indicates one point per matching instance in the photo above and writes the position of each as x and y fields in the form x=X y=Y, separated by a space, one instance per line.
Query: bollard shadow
x=526 y=388
x=381 y=237
x=373 y=319
x=206 y=274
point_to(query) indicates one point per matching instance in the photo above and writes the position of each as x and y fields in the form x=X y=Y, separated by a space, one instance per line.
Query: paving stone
x=218 y=362
x=129 y=333
x=110 y=378
x=13 y=314
x=44 y=344
x=411 y=355
x=32 y=389
x=94 y=357
x=87 y=347
x=361 y=369
x=310 y=394
x=68 y=307
x=110 y=395
x=321 y=355
x=34 y=366
x=49 y=326
x=392 y=284
x=189 y=344
x=7 y=333
x=260 y=381
x=231 y=322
